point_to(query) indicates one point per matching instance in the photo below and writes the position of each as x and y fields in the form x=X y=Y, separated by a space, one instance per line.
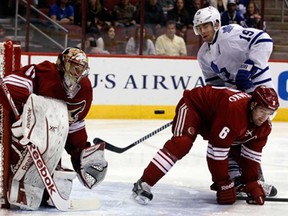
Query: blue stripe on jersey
x=262 y=81
x=255 y=38
x=264 y=40
x=260 y=73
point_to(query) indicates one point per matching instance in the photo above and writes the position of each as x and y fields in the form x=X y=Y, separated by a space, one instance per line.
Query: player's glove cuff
x=244 y=74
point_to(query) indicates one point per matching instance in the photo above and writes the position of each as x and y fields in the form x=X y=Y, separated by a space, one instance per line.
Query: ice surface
x=184 y=190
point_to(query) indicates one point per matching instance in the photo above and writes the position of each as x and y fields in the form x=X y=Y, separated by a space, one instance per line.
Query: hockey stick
x=116 y=149
x=60 y=203
x=270 y=199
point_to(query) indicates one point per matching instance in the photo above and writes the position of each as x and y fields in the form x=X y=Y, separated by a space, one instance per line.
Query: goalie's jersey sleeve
x=226 y=124
x=44 y=79
x=231 y=47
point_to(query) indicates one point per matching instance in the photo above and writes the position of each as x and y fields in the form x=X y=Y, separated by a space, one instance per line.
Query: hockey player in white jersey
x=231 y=55
x=235 y=57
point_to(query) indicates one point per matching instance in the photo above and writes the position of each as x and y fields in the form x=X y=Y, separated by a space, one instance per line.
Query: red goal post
x=10 y=59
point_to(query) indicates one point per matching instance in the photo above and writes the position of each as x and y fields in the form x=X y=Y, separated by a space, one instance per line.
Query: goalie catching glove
x=93 y=166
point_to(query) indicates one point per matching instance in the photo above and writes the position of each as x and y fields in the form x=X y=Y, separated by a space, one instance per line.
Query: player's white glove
x=93 y=166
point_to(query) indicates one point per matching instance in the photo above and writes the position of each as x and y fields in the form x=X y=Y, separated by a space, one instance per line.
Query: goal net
x=10 y=57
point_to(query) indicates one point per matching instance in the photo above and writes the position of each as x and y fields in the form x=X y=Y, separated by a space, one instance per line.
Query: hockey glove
x=226 y=193
x=93 y=166
x=256 y=192
x=246 y=70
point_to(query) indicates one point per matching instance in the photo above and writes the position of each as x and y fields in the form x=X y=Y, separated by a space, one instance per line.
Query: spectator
x=166 y=5
x=181 y=16
x=133 y=44
x=252 y=17
x=123 y=14
x=62 y=12
x=221 y=5
x=93 y=44
x=232 y=16
x=192 y=6
x=169 y=43
x=97 y=15
x=112 y=46
x=153 y=15
x=242 y=6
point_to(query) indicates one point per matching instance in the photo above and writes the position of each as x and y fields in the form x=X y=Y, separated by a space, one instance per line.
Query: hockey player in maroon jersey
x=234 y=123
x=66 y=81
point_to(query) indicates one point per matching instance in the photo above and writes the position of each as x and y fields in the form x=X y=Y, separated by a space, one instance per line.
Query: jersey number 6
x=224 y=132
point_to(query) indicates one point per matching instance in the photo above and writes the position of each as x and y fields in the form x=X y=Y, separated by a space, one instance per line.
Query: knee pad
x=179 y=146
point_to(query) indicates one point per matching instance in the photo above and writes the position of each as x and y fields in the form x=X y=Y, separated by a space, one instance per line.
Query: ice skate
x=270 y=190
x=141 y=192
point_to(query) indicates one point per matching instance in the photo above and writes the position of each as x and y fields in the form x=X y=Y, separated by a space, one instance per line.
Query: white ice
x=184 y=190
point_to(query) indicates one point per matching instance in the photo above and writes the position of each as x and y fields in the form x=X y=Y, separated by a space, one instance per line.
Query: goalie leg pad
x=48 y=130
x=39 y=119
x=24 y=195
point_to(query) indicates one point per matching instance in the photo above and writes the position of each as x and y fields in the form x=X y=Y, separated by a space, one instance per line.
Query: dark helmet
x=265 y=96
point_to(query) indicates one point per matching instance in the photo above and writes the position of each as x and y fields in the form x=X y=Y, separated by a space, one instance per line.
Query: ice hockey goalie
x=53 y=100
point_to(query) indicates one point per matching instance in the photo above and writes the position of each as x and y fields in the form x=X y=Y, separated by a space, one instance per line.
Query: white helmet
x=73 y=63
x=205 y=15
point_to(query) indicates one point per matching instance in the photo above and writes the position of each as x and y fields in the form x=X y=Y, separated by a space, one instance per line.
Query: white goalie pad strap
x=93 y=166
x=16 y=129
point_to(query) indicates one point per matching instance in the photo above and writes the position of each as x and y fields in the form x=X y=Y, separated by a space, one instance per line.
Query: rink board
x=150 y=112
x=150 y=87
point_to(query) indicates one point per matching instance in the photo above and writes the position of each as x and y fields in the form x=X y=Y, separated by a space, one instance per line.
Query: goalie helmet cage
x=10 y=58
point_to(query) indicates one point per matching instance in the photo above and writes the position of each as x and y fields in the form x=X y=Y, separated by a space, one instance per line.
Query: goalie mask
x=206 y=15
x=73 y=63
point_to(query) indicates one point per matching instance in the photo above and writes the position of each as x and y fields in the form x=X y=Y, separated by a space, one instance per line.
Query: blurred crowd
x=112 y=26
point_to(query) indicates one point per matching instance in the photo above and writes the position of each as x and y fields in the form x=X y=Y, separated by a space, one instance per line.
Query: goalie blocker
x=41 y=125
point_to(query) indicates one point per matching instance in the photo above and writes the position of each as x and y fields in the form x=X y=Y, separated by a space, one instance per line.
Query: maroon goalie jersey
x=44 y=79
x=226 y=124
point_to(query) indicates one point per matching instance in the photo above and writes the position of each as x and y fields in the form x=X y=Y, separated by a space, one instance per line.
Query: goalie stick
x=270 y=199
x=116 y=149
x=60 y=203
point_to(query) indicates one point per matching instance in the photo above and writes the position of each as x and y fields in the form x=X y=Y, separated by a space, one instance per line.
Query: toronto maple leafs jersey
x=231 y=47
